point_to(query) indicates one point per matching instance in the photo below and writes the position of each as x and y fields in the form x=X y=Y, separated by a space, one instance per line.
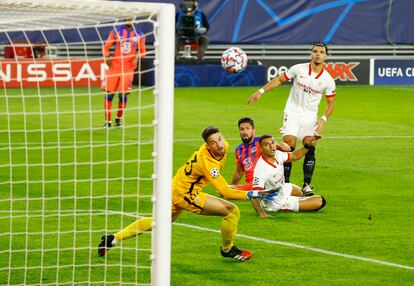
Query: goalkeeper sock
x=108 y=106
x=137 y=227
x=122 y=103
x=229 y=228
x=308 y=166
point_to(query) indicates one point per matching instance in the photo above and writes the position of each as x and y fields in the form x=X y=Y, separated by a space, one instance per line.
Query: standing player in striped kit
x=310 y=82
x=248 y=152
x=129 y=48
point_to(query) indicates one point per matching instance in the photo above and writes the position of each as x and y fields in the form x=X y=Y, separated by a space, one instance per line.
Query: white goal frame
x=164 y=103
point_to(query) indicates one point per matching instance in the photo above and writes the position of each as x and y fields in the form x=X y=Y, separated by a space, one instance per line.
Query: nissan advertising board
x=46 y=73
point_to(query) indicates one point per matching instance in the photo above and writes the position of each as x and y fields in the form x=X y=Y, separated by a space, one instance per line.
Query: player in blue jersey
x=248 y=152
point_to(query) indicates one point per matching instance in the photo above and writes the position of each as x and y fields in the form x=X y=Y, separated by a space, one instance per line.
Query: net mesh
x=64 y=179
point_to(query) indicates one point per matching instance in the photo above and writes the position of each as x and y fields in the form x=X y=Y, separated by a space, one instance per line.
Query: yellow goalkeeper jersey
x=202 y=168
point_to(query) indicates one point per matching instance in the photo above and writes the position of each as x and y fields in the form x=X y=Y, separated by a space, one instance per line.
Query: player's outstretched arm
x=301 y=152
x=282 y=146
x=237 y=175
x=270 y=85
x=259 y=209
x=220 y=184
x=330 y=106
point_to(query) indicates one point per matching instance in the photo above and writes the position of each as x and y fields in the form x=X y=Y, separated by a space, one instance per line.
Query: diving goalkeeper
x=202 y=167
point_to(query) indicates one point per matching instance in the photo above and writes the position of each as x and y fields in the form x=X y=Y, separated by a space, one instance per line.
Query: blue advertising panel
x=393 y=72
x=214 y=75
x=206 y=75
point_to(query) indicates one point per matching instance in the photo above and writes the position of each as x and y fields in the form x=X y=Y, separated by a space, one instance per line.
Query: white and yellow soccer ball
x=234 y=60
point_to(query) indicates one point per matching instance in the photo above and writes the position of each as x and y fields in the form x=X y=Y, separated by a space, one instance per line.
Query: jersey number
x=189 y=166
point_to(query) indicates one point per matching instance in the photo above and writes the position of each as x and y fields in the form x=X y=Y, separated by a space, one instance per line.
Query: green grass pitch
x=364 y=169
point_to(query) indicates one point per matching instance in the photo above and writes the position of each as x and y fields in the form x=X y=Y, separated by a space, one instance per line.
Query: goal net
x=65 y=179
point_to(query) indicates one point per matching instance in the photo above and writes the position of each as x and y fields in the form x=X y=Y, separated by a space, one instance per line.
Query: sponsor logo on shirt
x=247 y=164
x=307 y=88
x=278 y=180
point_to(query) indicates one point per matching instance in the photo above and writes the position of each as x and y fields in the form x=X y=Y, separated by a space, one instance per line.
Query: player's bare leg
x=314 y=203
x=296 y=191
x=291 y=141
x=308 y=166
x=231 y=214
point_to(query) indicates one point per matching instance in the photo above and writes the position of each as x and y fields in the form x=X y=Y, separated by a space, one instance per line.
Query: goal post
x=65 y=180
x=164 y=131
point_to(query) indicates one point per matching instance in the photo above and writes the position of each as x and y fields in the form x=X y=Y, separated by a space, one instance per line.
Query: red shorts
x=118 y=81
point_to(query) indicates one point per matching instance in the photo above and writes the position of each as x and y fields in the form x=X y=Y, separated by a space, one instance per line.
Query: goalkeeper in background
x=129 y=48
x=202 y=167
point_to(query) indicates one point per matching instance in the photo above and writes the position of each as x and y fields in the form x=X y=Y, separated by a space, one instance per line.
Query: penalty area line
x=288 y=244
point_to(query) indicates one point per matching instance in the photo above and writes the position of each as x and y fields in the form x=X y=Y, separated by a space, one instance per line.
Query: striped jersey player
x=247 y=153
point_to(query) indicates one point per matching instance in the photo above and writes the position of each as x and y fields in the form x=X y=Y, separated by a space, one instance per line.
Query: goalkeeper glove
x=266 y=195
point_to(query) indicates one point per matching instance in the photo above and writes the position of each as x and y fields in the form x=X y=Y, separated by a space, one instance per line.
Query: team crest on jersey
x=126 y=47
x=247 y=163
x=214 y=172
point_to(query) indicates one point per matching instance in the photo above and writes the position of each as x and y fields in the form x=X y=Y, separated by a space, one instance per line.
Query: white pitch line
x=288 y=244
x=270 y=241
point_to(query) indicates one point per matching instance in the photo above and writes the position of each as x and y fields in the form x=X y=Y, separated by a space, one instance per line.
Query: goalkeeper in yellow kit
x=202 y=167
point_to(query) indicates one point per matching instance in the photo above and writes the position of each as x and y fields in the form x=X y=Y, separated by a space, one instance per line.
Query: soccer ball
x=234 y=60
